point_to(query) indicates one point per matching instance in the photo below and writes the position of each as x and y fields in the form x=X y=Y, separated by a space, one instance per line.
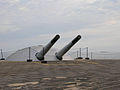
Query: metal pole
x=29 y=59
x=80 y=52
x=87 y=52
x=1 y=53
x=29 y=53
x=77 y=54
x=43 y=51
x=91 y=55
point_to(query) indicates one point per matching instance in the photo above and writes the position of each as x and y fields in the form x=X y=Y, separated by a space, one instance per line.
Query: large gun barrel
x=40 y=55
x=59 y=55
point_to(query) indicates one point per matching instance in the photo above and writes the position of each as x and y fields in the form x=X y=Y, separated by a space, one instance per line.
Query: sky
x=25 y=23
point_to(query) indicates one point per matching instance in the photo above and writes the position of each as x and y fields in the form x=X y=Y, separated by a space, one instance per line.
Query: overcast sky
x=26 y=23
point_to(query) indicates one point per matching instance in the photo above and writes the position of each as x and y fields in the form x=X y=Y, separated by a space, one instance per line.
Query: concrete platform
x=67 y=75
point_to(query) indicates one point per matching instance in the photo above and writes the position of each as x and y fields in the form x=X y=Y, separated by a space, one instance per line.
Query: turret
x=40 y=55
x=59 y=55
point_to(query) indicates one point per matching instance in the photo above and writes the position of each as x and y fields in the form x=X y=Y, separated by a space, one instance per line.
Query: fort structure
x=44 y=53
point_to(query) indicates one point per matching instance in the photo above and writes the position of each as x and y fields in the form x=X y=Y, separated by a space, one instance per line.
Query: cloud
x=98 y=37
x=34 y=21
x=8 y=28
x=12 y=1
x=59 y=11
x=23 y=8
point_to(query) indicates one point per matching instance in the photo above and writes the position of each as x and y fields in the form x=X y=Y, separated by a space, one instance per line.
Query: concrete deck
x=67 y=75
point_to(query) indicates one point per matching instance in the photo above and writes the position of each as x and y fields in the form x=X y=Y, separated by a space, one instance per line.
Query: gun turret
x=59 y=55
x=40 y=55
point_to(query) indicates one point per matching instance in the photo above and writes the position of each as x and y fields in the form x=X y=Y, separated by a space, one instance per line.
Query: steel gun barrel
x=40 y=55
x=59 y=55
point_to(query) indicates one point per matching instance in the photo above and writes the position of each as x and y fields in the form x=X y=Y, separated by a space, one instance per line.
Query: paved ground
x=67 y=75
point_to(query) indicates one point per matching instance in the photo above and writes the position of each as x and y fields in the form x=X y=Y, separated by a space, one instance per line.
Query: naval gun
x=59 y=55
x=40 y=55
